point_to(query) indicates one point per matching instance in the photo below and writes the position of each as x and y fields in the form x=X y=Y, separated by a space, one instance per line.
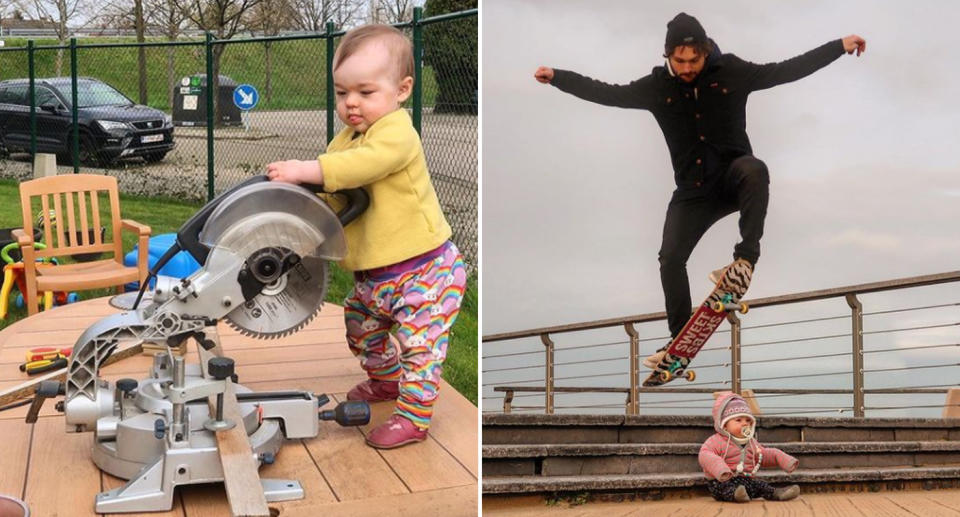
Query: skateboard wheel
x=744 y=308
x=718 y=306
x=665 y=376
x=690 y=375
x=72 y=298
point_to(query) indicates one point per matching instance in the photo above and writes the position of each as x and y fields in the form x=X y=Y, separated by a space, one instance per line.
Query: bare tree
x=394 y=11
x=169 y=22
x=60 y=12
x=269 y=17
x=313 y=15
x=224 y=18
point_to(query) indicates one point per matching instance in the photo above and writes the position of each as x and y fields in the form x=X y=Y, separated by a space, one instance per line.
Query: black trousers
x=755 y=488
x=743 y=186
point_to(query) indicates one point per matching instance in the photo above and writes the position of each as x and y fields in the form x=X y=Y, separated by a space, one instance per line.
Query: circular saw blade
x=285 y=306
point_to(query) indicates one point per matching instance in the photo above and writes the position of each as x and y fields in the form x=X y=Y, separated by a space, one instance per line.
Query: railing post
x=548 y=377
x=211 y=115
x=330 y=97
x=507 y=401
x=633 y=408
x=417 y=68
x=33 y=100
x=75 y=146
x=734 y=351
x=857 y=319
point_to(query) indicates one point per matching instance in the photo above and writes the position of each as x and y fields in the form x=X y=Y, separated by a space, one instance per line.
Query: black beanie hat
x=683 y=29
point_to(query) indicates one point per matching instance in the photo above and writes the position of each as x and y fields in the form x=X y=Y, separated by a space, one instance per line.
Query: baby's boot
x=740 y=495
x=396 y=431
x=373 y=390
x=786 y=493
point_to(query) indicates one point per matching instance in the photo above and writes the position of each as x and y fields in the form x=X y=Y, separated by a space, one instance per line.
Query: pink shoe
x=373 y=390
x=396 y=431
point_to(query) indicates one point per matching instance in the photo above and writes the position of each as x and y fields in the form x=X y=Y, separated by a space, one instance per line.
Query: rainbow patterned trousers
x=419 y=307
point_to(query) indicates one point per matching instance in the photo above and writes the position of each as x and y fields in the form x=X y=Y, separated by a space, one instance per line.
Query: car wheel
x=154 y=157
x=89 y=154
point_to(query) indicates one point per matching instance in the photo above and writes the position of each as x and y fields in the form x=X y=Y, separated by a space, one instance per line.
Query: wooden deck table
x=53 y=471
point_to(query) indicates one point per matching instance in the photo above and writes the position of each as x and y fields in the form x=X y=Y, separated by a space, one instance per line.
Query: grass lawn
x=166 y=216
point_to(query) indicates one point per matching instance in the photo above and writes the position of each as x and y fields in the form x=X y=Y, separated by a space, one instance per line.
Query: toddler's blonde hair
x=400 y=48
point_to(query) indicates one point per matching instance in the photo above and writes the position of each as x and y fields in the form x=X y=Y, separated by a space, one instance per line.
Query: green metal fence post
x=417 y=67
x=33 y=101
x=330 y=99
x=73 y=109
x=210 y=116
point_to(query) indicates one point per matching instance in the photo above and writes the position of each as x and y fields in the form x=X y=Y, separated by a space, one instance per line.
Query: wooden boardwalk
x=52 y=470
x=932 y=503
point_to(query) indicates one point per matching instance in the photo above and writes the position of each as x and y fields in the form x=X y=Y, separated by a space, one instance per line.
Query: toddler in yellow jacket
x=409 y=277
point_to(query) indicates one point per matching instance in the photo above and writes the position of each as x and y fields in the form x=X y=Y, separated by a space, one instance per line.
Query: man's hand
x=544 y=74
x=296 y=171
x=854 y=42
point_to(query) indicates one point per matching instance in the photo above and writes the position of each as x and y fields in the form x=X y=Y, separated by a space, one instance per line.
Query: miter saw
x=263 y=248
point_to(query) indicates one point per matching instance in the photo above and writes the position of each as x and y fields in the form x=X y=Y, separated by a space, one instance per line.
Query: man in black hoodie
x=699 y=99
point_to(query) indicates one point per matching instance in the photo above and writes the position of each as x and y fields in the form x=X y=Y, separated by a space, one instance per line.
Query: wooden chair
x=70 y=205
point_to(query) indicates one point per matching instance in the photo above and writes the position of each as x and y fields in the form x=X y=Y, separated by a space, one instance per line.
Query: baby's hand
x=295 y=171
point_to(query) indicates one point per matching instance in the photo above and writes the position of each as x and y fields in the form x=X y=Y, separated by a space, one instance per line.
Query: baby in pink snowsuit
x=731 y=456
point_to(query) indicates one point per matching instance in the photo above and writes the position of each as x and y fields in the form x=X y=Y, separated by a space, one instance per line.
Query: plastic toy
x=181 y=265
x=13 y=275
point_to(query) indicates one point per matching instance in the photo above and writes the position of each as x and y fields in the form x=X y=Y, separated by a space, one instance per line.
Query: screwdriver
x=43 y=365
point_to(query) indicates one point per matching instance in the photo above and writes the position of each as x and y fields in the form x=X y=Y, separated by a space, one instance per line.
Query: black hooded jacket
x=704 y=122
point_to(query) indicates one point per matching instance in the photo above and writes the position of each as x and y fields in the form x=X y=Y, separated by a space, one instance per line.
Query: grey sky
x=865 y=172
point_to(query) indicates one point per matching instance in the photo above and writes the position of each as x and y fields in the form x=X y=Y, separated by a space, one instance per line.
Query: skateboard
x=725 y=297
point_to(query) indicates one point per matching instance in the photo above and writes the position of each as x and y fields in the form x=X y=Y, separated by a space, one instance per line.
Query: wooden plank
x=877 y=505
x=14 y=449
x=454 y=427
x=352 y=468
x=293 y=462
x=447 y=502
x=920 y=503
x=78 y=322
x=422 y=466
x=241 y=480
x=62 y=480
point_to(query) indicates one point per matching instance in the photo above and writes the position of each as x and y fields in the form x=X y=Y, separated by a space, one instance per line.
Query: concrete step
x=871 y=478
x=581 y=429
x=643 y=458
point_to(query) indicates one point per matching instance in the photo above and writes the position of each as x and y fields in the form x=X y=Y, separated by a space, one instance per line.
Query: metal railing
x=218 y=146
x=547 y=384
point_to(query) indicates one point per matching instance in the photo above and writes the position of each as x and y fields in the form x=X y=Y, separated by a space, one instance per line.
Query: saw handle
x=357 y=201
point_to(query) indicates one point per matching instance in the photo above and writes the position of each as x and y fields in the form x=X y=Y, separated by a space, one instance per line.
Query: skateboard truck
x=727 y=305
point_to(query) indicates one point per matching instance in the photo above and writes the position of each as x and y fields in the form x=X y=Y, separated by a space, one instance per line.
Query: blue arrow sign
x=245 y=96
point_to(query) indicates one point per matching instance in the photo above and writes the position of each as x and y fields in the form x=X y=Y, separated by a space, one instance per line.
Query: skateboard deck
x=724 y=297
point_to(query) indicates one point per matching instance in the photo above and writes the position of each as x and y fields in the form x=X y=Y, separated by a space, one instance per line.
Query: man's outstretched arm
x=772 y=74
x=638 y=94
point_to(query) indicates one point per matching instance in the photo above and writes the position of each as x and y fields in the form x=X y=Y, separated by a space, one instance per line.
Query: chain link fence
x=178 y=147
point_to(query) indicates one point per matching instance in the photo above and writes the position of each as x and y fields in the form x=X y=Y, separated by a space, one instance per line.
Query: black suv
x=112 y=126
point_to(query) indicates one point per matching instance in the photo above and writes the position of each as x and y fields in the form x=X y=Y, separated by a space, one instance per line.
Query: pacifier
x=747 y=431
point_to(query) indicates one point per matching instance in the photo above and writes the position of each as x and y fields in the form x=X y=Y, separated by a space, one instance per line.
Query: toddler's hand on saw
x=296 y=171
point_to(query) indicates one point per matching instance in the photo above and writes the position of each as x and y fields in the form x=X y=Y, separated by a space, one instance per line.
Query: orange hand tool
x=47 y=352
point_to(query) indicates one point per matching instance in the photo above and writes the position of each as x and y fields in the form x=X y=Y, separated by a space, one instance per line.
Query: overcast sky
x=863 y=158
